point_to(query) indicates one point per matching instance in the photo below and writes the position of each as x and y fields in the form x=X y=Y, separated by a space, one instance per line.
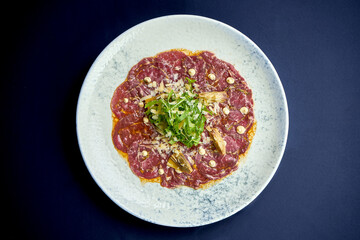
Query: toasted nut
x=212 y=76
x=226 y=111
x=141 y=104
x=126 y=100
x=191 y=72
x=161 y=171
x=146 y=120
x=240 y=129
x=201 y=151
x=244 y=110
x=230 y=80
x=212 y=163
x=147 y=79
x=144 y=153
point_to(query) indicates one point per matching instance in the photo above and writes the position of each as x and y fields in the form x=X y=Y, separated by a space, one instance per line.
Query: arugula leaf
x=190 y=80
x=180 y=118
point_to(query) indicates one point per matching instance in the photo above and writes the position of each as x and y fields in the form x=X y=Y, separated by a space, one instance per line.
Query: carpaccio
x=132 y=136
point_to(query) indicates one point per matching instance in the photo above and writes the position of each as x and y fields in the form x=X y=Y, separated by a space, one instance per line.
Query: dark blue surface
x=49 y=47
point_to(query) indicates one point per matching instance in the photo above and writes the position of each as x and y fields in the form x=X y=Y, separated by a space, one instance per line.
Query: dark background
x=47 y=49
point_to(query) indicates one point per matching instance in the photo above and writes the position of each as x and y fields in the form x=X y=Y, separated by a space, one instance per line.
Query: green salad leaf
x=178 y=116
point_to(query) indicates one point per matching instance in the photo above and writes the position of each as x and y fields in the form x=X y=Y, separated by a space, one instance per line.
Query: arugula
x=179 y=116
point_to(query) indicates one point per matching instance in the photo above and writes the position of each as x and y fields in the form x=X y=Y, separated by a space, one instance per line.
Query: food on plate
x=183 y=118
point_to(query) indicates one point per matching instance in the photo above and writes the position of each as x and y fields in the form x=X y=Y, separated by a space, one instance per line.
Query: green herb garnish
x=179 y=116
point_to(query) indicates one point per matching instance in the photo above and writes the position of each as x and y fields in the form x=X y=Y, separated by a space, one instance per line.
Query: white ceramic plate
x=181 y=207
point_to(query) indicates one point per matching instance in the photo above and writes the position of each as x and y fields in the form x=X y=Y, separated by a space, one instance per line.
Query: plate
x=181 y=207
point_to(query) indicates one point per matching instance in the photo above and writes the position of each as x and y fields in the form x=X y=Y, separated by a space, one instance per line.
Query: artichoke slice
x=179 y=162
x=211 y=97
x=219 y=142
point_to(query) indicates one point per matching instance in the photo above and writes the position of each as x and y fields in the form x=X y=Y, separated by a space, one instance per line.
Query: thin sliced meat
x=170 y=62
x=136 y=138
x=145 y=166
x=123 y=137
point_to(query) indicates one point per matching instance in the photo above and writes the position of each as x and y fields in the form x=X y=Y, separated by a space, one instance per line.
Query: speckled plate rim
x=200 y=18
